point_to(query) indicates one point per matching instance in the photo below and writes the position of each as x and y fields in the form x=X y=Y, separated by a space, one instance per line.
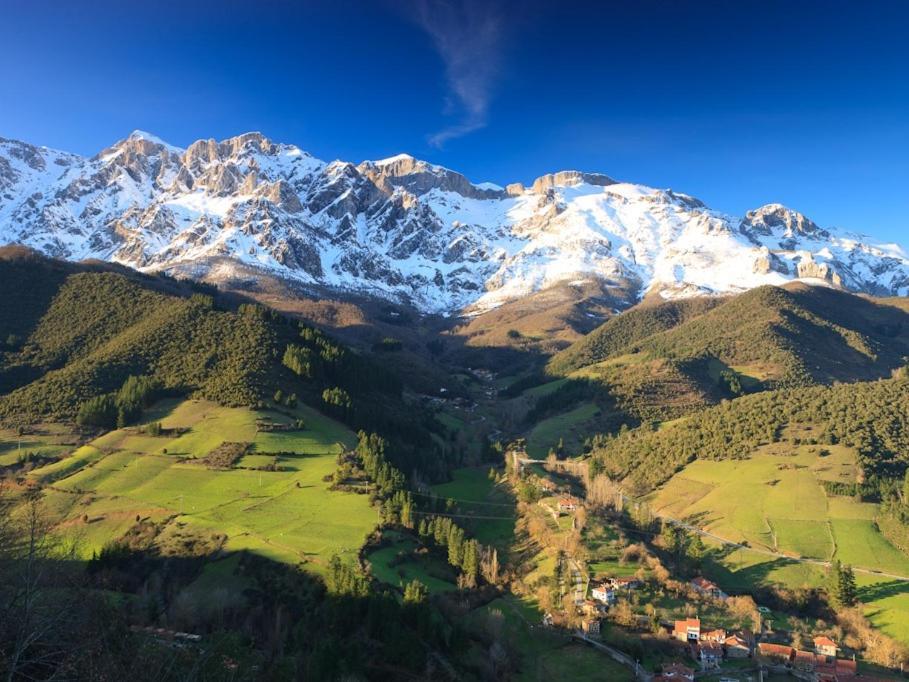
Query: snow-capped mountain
x=405 y=229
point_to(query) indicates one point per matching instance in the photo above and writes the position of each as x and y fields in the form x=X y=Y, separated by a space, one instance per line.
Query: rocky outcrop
x=807 y=268
x=545 y=183
x=775 y=220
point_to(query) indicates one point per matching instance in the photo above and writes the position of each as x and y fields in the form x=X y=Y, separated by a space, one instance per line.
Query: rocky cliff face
x=406 y=229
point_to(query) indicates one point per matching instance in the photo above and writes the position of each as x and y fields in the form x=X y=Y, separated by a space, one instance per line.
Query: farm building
x=825 y=646
x=623 y=583
x=567 y=505
x=716 y=636
x=708 y=588
x=804 y=661
x=688 y=630
x=709 y=654
x=777 y=653
x=676 y=672
x=591 y=626
x=836 y=670
x=737 y=646
x=592 y=607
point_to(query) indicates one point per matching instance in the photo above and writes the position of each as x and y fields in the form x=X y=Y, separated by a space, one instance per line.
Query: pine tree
x=847 y=592
x=455 y=546
x=471 y=562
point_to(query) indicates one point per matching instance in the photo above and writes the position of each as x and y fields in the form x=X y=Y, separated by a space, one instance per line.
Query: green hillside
x=272 y=501
x=662 y=361
x=87 y=329
x=868 y=416
x=624 y=331
x=776 y=336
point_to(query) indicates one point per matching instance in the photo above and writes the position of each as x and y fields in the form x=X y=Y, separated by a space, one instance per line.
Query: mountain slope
x=90 y=327
x=780 y=336
x=868 y=416
x=405 y=229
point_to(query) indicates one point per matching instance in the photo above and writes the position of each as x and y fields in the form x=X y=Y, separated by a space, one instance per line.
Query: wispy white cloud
x=467 y=35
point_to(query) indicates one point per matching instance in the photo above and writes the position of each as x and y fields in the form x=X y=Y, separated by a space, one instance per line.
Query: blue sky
x=738 y=103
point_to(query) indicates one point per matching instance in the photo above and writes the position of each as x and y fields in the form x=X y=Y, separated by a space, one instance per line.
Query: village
x=613 y=588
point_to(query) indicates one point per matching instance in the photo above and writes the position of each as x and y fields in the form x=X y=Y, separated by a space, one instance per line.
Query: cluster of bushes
x=224 y=456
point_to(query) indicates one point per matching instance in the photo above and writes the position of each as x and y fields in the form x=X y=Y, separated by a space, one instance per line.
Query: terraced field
x=287 y=514
x=775 y=501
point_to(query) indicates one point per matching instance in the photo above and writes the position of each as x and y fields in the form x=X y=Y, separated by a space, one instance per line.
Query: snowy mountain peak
x=154 y=139
x=780 y=221
x=407 y=229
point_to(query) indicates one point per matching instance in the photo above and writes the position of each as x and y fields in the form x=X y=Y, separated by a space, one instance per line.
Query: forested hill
x=871 y=417
x=72 y=334
x=774 y=336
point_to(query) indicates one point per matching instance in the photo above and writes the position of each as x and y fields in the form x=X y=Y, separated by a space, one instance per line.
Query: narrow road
x=617 y=656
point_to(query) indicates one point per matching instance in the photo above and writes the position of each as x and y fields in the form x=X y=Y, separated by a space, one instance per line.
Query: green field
x=568 y=427
x=476 y=495
x=48 y=440
x=288 y=515
x=397 y=564
x=545 y=389
x=774 y=500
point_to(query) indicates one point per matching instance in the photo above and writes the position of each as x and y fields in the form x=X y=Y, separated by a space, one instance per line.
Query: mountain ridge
x=408 y=230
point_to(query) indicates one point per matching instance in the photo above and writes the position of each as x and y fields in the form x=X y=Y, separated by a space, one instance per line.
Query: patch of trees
x=870 y=417
x=116 y=410
x=462 y=552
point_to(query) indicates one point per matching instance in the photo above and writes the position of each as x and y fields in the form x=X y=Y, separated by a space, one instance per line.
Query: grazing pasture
x=775 y=500
x=288 y=514
x=569 y=427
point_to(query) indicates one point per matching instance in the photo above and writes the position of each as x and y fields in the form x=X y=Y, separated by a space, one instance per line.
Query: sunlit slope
x=289 y=514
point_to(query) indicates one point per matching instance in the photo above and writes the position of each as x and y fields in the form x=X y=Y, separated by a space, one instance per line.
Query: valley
x=197 y=451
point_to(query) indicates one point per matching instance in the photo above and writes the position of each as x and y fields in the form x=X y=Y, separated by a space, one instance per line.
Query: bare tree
x=35 y=612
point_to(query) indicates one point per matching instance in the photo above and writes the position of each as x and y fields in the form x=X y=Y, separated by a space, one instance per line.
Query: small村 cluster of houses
x=822 y=661
x=708 y=647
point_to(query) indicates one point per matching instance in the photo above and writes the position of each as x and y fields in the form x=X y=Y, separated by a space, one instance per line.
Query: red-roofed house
x=737 y=646
x=708 y=587
x=778 y=653
x=825 y=646
x=567 y=504
x=716 y=636
x=688 y=630
x=677 y=671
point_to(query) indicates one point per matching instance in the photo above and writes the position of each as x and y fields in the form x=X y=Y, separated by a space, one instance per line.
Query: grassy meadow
x=476 y=495
x=775 y=500
x=289 y=515
x=571 y=427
